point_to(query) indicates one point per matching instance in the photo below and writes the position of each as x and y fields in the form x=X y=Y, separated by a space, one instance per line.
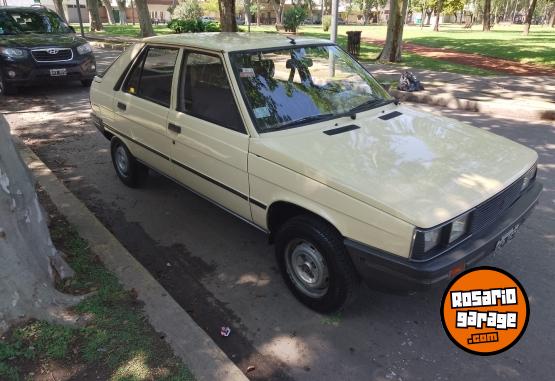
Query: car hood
x=35 y=40
x=422 y=168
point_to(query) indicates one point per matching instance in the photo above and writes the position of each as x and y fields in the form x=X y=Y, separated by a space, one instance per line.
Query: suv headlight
x=529 y=177
x=13 y=52
x=84 y=49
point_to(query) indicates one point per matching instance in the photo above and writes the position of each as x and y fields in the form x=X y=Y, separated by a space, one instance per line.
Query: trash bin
x=353 y=42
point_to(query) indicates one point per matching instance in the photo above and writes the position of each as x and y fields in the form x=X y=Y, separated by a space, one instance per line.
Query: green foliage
x=293 y=17
x=326 y=22
x=193 y=26
x=188 y=10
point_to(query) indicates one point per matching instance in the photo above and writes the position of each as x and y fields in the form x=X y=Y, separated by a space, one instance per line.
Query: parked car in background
x=240 y=20
x=295 y=137
x=37 y=45
x=208 y=19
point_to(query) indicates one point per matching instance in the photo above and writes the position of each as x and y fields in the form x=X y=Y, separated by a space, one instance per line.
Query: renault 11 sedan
x=297 y=138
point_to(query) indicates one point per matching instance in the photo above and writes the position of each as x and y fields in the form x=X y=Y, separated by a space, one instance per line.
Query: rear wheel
x=315 y=264
x=129 y=170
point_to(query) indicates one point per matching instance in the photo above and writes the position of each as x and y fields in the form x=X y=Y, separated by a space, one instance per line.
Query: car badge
x=52 y=51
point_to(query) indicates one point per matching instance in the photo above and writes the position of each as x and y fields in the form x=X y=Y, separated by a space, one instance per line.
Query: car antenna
x=292 y=40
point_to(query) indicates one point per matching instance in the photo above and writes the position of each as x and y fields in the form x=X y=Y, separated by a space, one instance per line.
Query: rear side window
x=152 y=75
x=205 y=92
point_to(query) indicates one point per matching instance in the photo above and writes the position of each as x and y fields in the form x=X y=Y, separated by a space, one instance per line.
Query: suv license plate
x=58 y=72
x=506 y=237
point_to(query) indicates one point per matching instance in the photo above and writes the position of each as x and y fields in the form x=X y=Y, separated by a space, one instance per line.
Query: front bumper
x=28 y=71
x=380 y=268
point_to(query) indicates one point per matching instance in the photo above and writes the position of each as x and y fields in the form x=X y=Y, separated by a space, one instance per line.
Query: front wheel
x=315 y=264
x=6 y=89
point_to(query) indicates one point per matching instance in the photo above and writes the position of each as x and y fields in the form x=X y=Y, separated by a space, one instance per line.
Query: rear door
x=142 y=106
x=210 y=147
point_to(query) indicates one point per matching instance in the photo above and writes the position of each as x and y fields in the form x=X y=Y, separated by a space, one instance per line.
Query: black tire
x=132 y=173
x=6 y=89
x=86 y=82
x=319 y=236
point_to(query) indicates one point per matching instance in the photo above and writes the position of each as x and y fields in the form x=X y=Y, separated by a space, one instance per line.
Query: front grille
x=488 y=211
x=52 y=54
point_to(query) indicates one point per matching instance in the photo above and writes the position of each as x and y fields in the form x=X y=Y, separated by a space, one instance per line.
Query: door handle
x=122 y=106
x=174 y=127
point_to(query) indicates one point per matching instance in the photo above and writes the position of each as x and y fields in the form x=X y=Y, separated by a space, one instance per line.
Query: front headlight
x=428 y=243
x=458 y=228
x=529 y=176
x=432 y=238
x=84 y=49
x=13 y=52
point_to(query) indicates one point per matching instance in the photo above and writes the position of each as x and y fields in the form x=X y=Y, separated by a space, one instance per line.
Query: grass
x=117 y=339
x=502 y=42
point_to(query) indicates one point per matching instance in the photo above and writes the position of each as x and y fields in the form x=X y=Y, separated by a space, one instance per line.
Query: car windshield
x=291 y=87
x=15 y=22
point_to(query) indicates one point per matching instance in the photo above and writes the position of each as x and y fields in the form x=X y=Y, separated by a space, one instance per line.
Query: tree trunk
x=94 y=16
x=144 y=18
x=438 y=15
x=393 y=42
x=428 y=16
x=257 y=12
x=227 y=15
x=109 y=11
x=552 y=21
x=60 y=9
x=26 y=250
x=529 y=15
x=122 y=13
x=486 y=23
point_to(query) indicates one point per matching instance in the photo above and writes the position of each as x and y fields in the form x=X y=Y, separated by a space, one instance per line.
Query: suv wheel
x=6 y=89
x=129 y=170
x=315 y=264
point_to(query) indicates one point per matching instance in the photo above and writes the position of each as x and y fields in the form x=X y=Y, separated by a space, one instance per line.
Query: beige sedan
x=296 y=138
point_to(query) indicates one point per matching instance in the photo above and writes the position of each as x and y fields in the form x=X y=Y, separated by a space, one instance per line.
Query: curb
x=189 y=342
x=507 y=110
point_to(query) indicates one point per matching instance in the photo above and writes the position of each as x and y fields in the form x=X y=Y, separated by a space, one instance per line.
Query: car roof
x=228 y=42
x=26 y=9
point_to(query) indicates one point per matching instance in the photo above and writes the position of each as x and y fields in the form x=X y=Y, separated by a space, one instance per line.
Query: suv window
x=152 y=74
x=205 y=92
x=31 y=21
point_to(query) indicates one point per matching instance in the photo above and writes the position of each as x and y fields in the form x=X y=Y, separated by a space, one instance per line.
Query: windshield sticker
x=261 y=112
x=247 y=72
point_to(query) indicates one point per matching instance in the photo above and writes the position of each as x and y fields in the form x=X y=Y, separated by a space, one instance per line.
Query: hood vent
x=391 y=115
x=340 y=130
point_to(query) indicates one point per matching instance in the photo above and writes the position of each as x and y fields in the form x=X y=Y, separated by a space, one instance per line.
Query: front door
x=209 y=152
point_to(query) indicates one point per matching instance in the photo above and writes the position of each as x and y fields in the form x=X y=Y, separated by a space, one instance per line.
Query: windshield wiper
x=306 y=119
x=370 y=104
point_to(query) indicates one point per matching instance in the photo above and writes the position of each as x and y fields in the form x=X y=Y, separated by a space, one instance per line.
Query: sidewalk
x=509 y=96
x=523 y=97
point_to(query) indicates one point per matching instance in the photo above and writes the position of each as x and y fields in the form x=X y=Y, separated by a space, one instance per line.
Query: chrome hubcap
x=122 y=161
x=307 y=268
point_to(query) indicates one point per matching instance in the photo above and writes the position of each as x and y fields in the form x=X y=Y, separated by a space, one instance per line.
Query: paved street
x=223 y=272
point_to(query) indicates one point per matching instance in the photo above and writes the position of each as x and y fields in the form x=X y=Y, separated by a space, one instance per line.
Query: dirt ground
x=473 y=59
